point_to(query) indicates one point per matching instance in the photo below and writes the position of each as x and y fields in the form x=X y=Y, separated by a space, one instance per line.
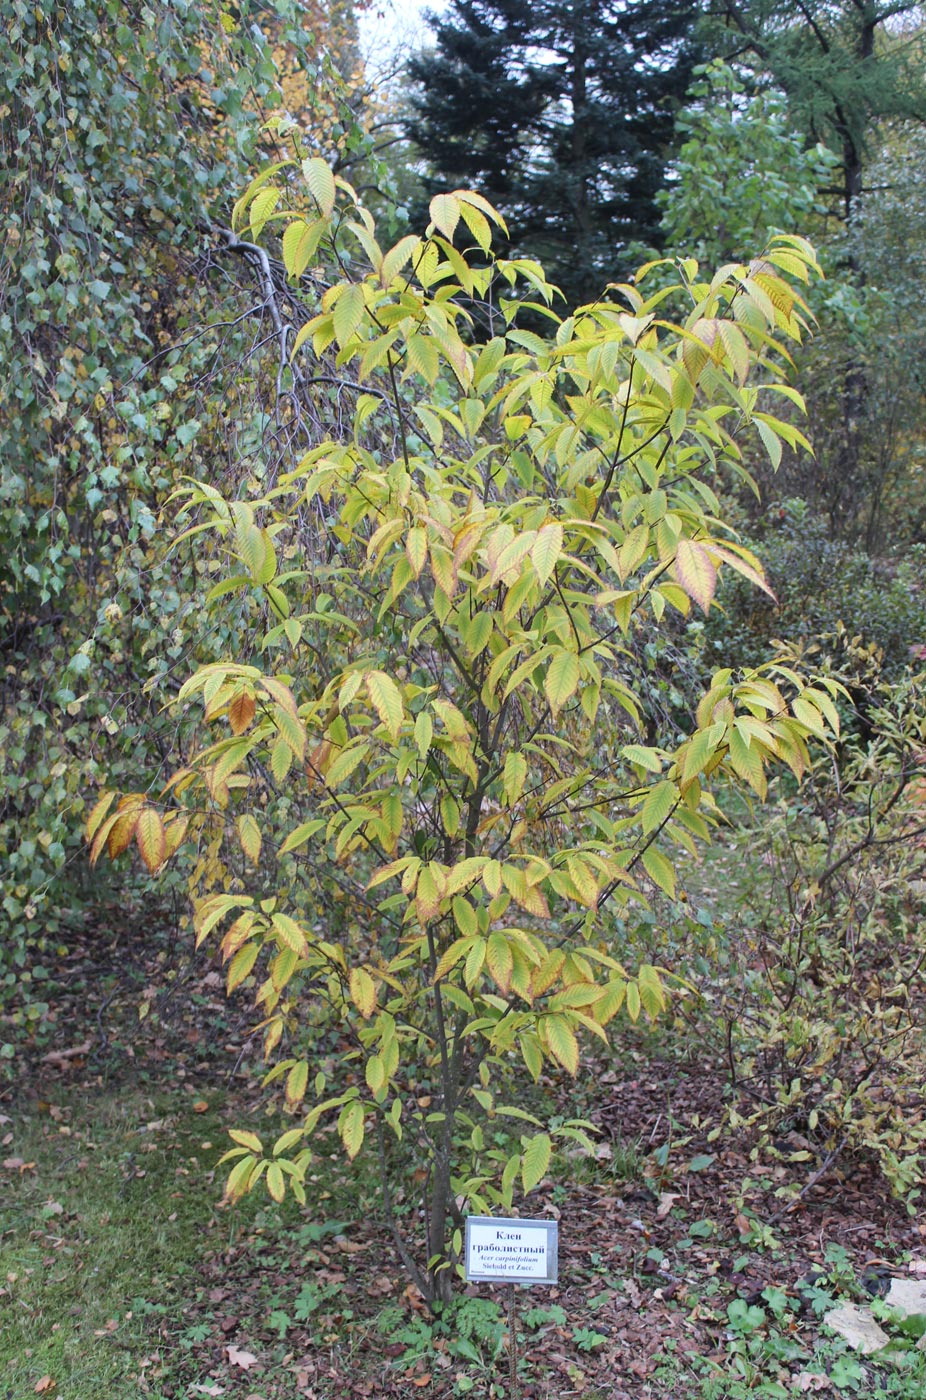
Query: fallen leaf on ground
x=57 y=1057
x=237 y=1357
x=46 y=1383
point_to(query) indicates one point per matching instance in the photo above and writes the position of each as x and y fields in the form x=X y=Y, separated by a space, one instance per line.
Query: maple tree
x=430 y=800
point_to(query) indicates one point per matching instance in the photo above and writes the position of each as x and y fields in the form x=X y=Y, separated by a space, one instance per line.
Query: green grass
x=98 y=1239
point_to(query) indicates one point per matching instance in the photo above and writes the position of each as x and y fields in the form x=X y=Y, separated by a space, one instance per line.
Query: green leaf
x=386 y=700
x=348 y=313
x=658 y=806
x=561 y=679
x=320 y=181
x=300 y=242
x=546 y=550
x=561 y=1039
x=499 y=960
x=535 y=1160
x=660 y=870
x=351 y=1127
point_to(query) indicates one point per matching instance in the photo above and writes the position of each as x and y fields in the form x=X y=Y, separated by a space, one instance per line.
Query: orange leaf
x=46 y=1383
x=241 y=711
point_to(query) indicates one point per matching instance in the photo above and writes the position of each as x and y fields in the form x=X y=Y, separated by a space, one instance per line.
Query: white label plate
x=511 y=1251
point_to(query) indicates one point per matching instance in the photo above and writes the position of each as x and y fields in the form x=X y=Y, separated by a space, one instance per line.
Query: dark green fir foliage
x=562 y=113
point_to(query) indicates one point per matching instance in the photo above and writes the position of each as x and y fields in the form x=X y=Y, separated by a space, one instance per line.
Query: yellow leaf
x=296 y=1082
x=289 y=934
x=375 y=1074
x=652 y=992
x=445 y=214
x=658 y=806
x=660 y=870
x=546 y=550
x=241 y=965
x=696 y=572
x=429 y=893
x=499 y=960
x=149 y=835
x=320 y=180
x=300 y=241
x=561 y=1039
x=561 y=679
x=397 y=257
x=276 y=1183
x=351 y=1127
x=416 y=548
x=348 y=313
x=97 y=814
x=249 y=837
x=363 y=992
x=386 y=700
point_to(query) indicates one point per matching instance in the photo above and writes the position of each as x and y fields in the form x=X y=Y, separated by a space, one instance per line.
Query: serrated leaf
x=428 y=895
x=416 y=548
x=245 y=1139
x=351 y=1128
x=289 y=934
x=363 y=992
x=546 y=550
x=561 y=1039
x=276 y=1182
x=300 y=242
x=397 y=256
x=561 y=679
x=499 y=960
x=150 y=839
x=320 y=180
x=535 y=1161
x=652 y=992
x=696 y=572
x=658 y=806
x=249 y=837
x=386 y=700
x=444 y=210
x=100 y=808
x=241 y=711
x=241 y=965
x=300 y=836
x=514 y=776
x=660 y=870
x=296 y=1084
x=424 y=729
x=348 y=313
x=375 y=1074
x=262 y=207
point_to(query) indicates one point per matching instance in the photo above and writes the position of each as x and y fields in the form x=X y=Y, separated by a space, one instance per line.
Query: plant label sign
x=511 y=1251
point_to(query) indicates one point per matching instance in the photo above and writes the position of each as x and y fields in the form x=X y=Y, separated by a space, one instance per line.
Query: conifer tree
x=564 y=115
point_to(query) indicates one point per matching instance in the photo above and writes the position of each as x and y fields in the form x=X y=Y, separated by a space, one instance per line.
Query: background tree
x=844 y=66
x=128 y=325
x=563 y=114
